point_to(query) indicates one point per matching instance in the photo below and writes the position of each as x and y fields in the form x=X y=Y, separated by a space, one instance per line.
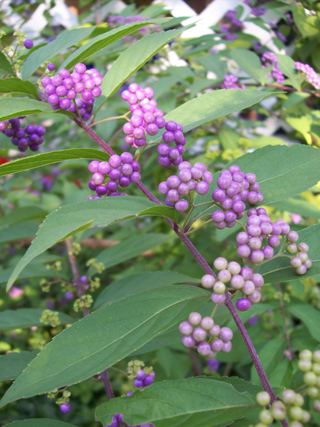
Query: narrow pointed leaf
x=68 y=219
x=186 y=402
x=309 y=315
x=26 y=318
x=101 y=339
x=50 y=158
x=15 y=85
x=12 y=364
x=39 y=422
x=22 y=214
x=5 y=64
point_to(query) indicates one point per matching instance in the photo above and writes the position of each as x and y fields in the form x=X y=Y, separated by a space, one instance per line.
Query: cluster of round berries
x=108 y=176
x=62 y=89
x=171 y=156
x=31 y=136
x=194 y=177
x=143 y=378
x=269 y=59
x=311 y=75
x=234 y=187
x=242 y=279
x=233 y=19
x=205 y=335
x=309 y=363
x=258 y=11
x=300 y=262
x=117 y=421
x=231 y=82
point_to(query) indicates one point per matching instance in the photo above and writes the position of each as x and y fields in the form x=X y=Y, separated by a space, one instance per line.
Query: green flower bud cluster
x=56 y=266
x=45 y=285
x=65 y=397
x=50 y=317
x=85 y=301
x=95 y=284
x=20 y=37
x=134 y=366
x=98 y=266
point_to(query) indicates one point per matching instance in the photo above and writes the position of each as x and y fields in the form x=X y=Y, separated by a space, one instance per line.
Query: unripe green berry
x=316 y=356
x=289 y=396
x=296 y=413
x=292 y=248
x=304 y=365
x=316 y=368
x=306 y=416
x=305 y=354
x=318 y=382
x=299 y=400
x=219 y=288
x=263 y=398
x=310 y=378
x=260 y=425
x=295 y=424
x=316 y=406
x=278 y=410
x=265 y=417
x=313 y=392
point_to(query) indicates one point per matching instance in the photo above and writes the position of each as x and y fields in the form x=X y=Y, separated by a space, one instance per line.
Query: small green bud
x=305 y=354
x=299 y=400
x=310 y=378
x=265 y=417
x=289 y=396
x=305 y=365
x=313 y=392
x=263 y=398
x=296 y=413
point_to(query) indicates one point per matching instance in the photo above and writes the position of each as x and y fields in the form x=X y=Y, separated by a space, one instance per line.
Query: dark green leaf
x=68 y=219
x=39 y=422
x=5 y=64
x=31 y=271
x=50 y=158
x=270 y=356
x=26 y=318
x=164 y=211
x=12 y=364
x=102 y=339
x=106 y=39
x=189 y=402
x=22 y=214
x=134 y=58
x=15 y=85
x=140 y=282
x=18 y=231
x=280 y=270
x=309 y=315
x=61 y=43
x=16 y=107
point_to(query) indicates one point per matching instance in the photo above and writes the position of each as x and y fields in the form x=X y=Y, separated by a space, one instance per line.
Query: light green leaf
x=228 y=139
x=250 y=63
x=270 y=356
x=16 y=107
x=140 y=282
x=303 y=125
x=61 y=43
x=100 y=42
x=298 y=205
x=164 y=211
x=18 y=231
x=15 y=85
x=12 y=364
x=307 y=25
x=50 y=158
x=309 y=315
x=131 y=248
x=26 y=318
x=280 y=270
x=281 y=171
x=262 y=141
x=101 y=339
x=39 y=422
x=25 y=213
x=68 y=219
x=134 y=58
x=5 y=64
x=186 y=402
x=286 y=65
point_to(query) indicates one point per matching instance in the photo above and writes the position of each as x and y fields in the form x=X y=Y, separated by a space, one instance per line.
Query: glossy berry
x=65 y=407
x=28 y=44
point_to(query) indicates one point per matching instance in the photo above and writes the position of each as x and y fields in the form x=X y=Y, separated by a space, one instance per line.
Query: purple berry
x=51 y=66
x=28 y=44
x=65 y=407
x=243 y=304
x=181 y=205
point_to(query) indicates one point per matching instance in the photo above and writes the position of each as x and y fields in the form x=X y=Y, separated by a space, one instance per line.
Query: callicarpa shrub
x=160 y=253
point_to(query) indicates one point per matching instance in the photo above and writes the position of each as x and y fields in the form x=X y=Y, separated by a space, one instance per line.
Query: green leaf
x=250 y=63
x=140 y=282
x=228 y=139
x=104 y=40
x=280 y=270
x=270 y=356
x=61 y=43
x=12 y=364
x=25 y=213
x=32 y=271
x=131 y=248
x=286 y=65
x=15 y=85
x=298 y=205
x=186 y=402
x=16 y=107
x=171 y=337
x=307 y=25
x=262 y=141
x=164 y=211
x=134 y=58
x=68 y=219
x=5 y=64
x=281 y=171
x=39 y=422
x=50 y=158
x=309 y=315
x=26 y=318
x=101 y=339
x=18 y=231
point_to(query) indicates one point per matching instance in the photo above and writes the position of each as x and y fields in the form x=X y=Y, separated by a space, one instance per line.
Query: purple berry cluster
x=203 y=334
x=311 y=75
x=238 y=278
x=108 y=176
x=233 y=19
x=258 y=11
x=234 y=188
x=194 y=177
x=300 y=262
x=62 y=89
x=144 y=379
x=171 y=156
x=31 y=136
x=117 y=421
x=270 y=59
x=231 y=82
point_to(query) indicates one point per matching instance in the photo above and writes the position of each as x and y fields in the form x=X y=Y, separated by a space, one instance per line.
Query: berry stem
x=107 y=385
x=97 y=138
x=200 y=226
x=124 y=116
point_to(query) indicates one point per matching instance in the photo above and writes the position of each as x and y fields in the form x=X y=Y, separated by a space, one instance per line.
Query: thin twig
x=284 y=321
x=107 y=385
x=195 y=366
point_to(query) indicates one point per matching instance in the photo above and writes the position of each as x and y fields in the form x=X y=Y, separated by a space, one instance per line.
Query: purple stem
x=107 y=385
x=208 y=270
